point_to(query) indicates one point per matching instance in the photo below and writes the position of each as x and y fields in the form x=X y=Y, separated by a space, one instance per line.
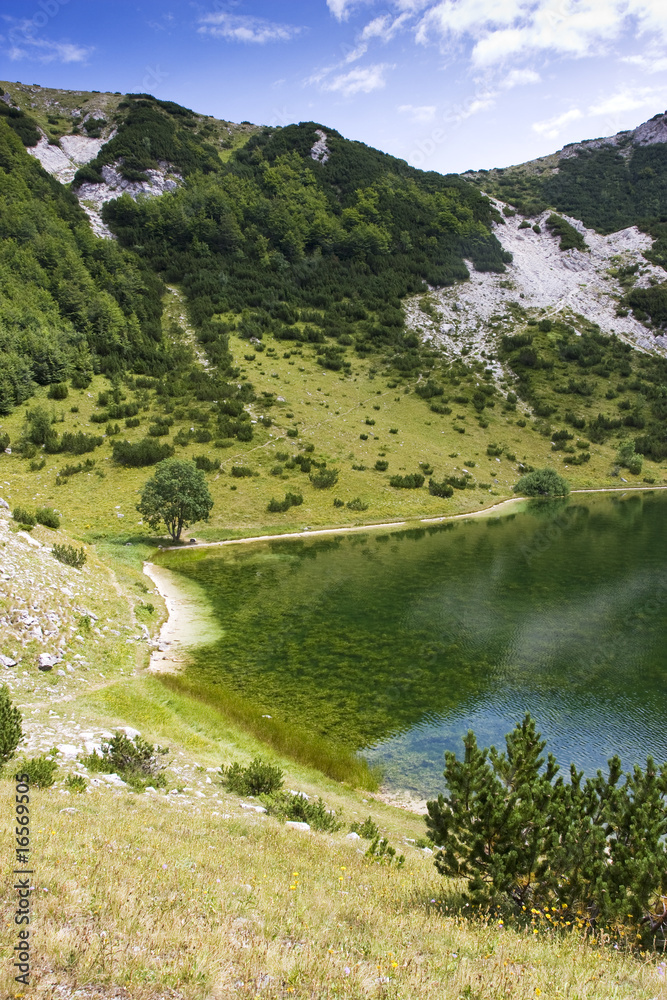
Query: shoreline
x=347 y=529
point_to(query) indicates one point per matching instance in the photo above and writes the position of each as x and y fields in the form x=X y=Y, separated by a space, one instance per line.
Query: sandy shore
x=190 y=620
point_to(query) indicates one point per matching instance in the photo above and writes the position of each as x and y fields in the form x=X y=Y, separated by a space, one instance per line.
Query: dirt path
x=348 y=529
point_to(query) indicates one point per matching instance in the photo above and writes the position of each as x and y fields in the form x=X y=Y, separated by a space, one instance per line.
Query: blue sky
x=445 y=84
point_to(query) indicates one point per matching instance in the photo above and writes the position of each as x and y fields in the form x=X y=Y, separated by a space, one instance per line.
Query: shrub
x=136 y=760
x=393 y=430
x=11 y=732
x=441 y=409
x=205 y=463
x=628 y=458
x=357 y=504
x=381 y=465
x=48 y=517
x=542 y=483
x=280 y=506
x=297 y=808
x=443 y=489
x=369 y=830
x=570 y=238
x=413 y=481
x=132 y=422
x=517 y=832
x=363 y=437
x=292 y=432
x=383 y=853
x=24 y=517
x=76 y=783
x=241 y=471
x=324 y=479
x=40 y=771
x=70 y=556
x=258 y=778
x=58 y=390
x=338 y=502
x=144 y=452
x=112 y=429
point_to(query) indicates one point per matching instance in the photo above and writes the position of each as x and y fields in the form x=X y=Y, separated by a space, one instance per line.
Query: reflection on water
x=396 y=644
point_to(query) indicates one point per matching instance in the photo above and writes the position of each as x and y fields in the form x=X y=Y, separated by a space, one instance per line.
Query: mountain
x=177 y=256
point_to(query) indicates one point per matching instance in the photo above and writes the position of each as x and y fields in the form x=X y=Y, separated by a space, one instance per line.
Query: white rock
x=29 y=539
x=114 y=779
x=46 y=661
x=3 y=504
x=69 y=809
x=293 y=825
x=257 y=809
x=353 y=836
x=7 y=661
x=68 y=750
x=130 y=732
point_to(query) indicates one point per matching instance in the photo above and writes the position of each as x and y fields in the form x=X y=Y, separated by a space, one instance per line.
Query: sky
x=448 y=85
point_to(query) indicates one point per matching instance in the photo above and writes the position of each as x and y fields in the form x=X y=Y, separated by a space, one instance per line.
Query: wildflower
x=538 y=991
x=346 y=970
x=164 y=867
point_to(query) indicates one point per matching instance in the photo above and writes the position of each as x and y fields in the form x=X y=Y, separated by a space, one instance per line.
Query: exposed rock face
x=647 y=134
x=64 y=160
x=93 y=196
x=568 y=284
x=320 y=151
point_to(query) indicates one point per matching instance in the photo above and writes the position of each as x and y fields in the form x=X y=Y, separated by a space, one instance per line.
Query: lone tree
x=542 y=483
x=177 y=495
x=10 y=726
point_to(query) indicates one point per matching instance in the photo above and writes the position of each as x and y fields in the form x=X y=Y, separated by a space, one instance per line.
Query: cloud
x=246 y=28
x=628 y=100
x=359 y=81
x=341 y=8
x=501 y=31
x=520 y=77
x=552 y=127
x=384 y=27
x=45 y=51
x=419 y=113
x=650 y=63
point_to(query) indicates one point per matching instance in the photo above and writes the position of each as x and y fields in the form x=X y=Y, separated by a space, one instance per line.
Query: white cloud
x=499 y=31
x=359 y=81
x=552 y=127
x=520 y=77
x=650 y=63
x=245 y=28
x=341 y=8
x=45 y=51
x=421 y=113
x=628 y=100
x=384 y=27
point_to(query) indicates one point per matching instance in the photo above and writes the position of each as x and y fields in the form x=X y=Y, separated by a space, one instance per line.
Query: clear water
x=395 y=644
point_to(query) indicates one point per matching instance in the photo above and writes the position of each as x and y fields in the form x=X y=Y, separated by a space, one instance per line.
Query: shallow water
x=396 y=643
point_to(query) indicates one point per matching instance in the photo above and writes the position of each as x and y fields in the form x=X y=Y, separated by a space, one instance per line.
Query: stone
x=68 y=750
x=293 y=825
x=46 y=661
x=29 y=539
x=257 y=809
x=7 y=661
x=69 y=809
x=3 y=504
x=353 y=836
x=130 y=732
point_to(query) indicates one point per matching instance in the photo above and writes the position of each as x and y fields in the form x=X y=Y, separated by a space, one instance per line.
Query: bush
x=241 y=471
x=70 y=556
x=11 y=732
x=443 y=489
x=76 y=783
x=628 y=458
x=136 y=760
x=413 y=481
x=23 y=517
x=369 y=830
x=40 y=771
x=258 y=778
x=58 y=390
x=518 y=833
x=357 y=504
x=324 y=479
x=338 y=502
x=297 y=808
x=280 y=506
x=542 y=483
x=205 y=463
x=383 y=853
x=381 y=465
x=48 y=517
x=144 y=452
x=570 y=238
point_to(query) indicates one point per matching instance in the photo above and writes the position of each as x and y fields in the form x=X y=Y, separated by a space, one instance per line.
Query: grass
x=329 y=410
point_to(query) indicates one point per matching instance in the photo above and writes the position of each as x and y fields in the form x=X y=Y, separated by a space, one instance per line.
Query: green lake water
x=395 y=643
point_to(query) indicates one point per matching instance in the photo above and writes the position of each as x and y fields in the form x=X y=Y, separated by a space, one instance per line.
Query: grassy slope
x=330 y=411
x=191 y=893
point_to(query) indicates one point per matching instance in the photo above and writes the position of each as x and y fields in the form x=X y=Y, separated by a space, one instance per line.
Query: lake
x=395 y=643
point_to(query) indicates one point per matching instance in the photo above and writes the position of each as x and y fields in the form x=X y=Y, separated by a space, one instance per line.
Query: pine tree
x=11 y=732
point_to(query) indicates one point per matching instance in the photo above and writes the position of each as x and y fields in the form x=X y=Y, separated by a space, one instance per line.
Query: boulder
x=353 y=836
x=7 y=661
x=47 y=661
x=293 y=825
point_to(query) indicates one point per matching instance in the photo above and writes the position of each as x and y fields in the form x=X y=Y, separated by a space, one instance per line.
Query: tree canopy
x=177 y=495
x=542 y=483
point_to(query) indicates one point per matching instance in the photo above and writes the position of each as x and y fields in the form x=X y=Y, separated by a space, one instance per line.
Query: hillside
x=315 y=303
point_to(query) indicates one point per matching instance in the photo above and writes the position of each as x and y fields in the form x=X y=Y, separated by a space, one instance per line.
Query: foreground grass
x=156 y=894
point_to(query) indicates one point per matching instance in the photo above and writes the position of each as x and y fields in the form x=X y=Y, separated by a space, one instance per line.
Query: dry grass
x=154 y=895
